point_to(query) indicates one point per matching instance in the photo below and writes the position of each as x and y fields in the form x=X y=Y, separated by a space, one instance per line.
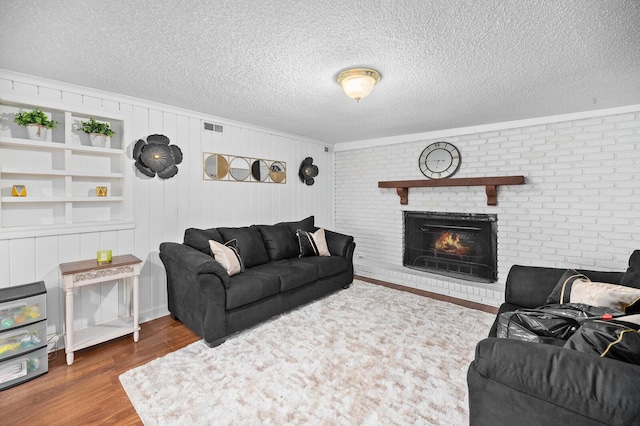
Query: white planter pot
x=36 y=132
x=99 y=140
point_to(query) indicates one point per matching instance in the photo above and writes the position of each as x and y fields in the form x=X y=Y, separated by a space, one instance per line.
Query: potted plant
x=37 y=123
x=100 y=133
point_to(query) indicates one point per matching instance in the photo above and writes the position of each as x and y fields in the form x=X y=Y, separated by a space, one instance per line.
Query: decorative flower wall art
x=155 y=155
x=308 y=171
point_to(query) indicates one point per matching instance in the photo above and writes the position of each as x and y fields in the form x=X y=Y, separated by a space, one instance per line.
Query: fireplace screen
x=454 y=244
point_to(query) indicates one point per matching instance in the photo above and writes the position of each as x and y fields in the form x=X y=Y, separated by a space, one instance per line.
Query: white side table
x=88 y=272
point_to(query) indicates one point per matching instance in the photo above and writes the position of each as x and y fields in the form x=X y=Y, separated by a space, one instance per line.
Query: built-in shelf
x=60 y=199
x=61 y=174
x=490 y=183
x=49 y=146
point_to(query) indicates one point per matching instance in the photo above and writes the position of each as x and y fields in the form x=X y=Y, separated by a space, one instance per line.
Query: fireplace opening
x=462 y=245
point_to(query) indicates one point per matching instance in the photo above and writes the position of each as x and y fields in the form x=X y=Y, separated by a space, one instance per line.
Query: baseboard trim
x=437 y=296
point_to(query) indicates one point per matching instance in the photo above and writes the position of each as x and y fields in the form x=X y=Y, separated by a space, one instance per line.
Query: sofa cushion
x=250 y=287
x=327 y=265
x=290 y=274
x=249 y=242
x=279 y=241
x=312 y=243
x=307 y=224
x=199 y=238
x=228 y=256
x=631 y=278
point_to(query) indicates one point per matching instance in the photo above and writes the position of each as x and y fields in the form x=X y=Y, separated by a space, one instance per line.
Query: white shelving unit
x=61 y=174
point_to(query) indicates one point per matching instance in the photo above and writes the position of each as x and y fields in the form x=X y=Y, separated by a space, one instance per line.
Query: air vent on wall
x=213 y=127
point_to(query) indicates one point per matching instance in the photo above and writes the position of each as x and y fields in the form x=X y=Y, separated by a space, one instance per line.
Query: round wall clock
x=439 y=160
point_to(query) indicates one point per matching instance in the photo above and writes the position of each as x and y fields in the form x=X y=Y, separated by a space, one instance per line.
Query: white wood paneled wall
x=163 y=209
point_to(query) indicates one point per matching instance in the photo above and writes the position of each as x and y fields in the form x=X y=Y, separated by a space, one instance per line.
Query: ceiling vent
x=213 y=127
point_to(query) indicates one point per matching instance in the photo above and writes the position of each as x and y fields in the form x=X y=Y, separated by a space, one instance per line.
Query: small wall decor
x=308 y=171
x=242 y=169
x=19 y=191
x=155 y=155
x=101 y=191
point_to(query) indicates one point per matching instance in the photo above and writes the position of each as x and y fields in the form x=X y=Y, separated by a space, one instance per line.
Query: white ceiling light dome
x=357 y=83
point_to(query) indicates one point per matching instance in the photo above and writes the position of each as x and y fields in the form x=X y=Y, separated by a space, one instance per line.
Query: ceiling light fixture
x=357 y=83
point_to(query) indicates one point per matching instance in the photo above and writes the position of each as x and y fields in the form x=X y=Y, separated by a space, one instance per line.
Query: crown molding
x=460 y=131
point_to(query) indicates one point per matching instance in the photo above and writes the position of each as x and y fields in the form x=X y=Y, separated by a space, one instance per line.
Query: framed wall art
x=233 y=168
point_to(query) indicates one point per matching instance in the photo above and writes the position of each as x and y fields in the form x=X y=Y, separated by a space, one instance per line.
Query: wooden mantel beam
x=490 y=183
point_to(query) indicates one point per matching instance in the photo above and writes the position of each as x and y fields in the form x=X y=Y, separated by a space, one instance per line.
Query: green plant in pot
x=99 y=133
x=37 y=122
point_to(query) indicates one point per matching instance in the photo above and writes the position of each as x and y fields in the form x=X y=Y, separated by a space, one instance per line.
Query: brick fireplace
x=461 y=245
x=577 y=209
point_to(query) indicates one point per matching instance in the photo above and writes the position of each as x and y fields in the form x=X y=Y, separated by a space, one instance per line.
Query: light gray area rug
x=369 y=355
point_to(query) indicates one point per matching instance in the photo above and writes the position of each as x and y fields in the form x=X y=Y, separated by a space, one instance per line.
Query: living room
x=571 y=127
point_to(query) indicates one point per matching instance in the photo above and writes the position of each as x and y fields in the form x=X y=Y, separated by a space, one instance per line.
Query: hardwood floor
x=89 y=391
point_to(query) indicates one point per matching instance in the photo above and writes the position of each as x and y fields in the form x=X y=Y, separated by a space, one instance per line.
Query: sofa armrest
x=196 y=292
x=340 y=244
x=194 y=260
x=529 y=286
x=582 y=386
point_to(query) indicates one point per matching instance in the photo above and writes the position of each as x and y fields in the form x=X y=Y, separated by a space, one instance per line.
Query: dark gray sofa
x=214 y=305
x=524 y=383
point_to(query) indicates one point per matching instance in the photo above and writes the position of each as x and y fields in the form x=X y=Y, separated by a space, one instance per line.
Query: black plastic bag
x=617 y=339
x=552 y=324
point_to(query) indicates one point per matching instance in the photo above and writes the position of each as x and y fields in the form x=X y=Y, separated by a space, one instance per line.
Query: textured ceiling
x=444 y=63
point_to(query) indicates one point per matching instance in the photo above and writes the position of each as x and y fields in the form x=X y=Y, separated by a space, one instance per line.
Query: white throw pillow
x=228 y=256
x=603 y=294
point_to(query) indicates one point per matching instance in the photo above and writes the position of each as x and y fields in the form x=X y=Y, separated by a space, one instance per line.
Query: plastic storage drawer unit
x=21 y=368
x=19 y=312
x=23 y=333
x=23 y=339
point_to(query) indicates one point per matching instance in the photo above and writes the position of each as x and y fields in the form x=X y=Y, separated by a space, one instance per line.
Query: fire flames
x=450 y=243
